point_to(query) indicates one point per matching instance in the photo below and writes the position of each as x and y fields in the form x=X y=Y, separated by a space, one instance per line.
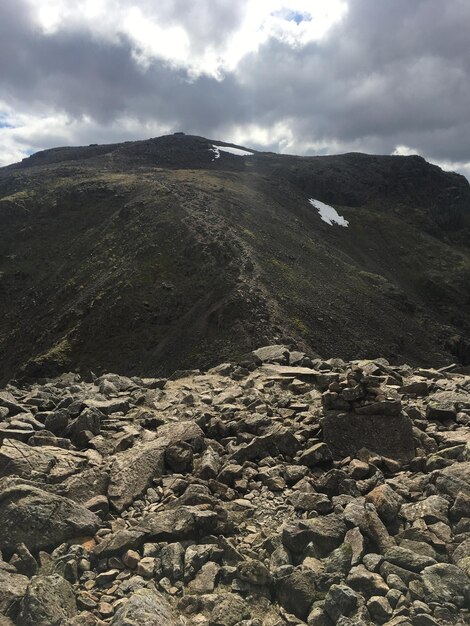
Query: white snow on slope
x=328 y=214
x=237 y=151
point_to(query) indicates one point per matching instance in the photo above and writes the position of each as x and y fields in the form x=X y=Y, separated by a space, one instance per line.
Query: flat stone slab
x=389 y=436
x=302 y=373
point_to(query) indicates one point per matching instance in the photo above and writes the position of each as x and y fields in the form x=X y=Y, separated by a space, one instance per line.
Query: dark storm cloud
x=74 y=72
x=390 y=73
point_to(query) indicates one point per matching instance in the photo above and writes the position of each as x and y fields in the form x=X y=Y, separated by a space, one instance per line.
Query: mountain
x=150 y=256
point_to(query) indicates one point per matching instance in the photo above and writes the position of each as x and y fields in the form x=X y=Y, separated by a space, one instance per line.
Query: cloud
x=288 y=75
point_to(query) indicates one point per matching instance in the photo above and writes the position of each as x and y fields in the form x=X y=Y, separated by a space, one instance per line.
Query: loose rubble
x=279 y=490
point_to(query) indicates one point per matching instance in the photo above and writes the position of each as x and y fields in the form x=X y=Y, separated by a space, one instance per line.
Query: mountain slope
x=148 y=256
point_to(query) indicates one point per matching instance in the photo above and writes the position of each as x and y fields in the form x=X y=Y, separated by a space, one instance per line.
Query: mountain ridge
x=143 y=257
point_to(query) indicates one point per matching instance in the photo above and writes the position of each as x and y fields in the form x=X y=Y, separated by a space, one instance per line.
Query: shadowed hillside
x=149 y=256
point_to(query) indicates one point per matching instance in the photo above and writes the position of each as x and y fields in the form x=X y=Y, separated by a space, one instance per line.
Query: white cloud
x=25 y=133
x=404 y=151
x=156 y=33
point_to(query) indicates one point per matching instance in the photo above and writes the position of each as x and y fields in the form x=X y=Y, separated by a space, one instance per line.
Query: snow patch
x=328 y=214
x=237 y=151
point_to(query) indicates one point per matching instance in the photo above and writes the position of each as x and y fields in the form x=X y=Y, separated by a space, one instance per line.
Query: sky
x=291 y=76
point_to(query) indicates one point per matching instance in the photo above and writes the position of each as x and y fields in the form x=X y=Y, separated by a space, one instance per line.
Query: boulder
x=340 y=600
x=271 y=354
x=48 y=601
x=13 y=587
x=363 y=515
x=389 y=436
x=386 y=501
x=184 y=522
x=432 y=509
x=132 y=472
x=20 y=459
x=229 y=611
x=280 y=440
x=8 y=401
x=39 y=519
x=441 y=411
x=453 y=479
x=407 y=559
x=367 y=583
x=297 y=591
x=316 y=454
x=177 y=432
x=443 y=582
x=146 y=607
x=116 y=543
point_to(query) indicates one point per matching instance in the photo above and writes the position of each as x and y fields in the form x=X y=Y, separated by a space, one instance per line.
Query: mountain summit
x=149 y=256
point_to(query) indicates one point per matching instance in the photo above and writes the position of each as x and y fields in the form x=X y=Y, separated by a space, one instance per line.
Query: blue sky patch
x=3 y=122
x=298 y=17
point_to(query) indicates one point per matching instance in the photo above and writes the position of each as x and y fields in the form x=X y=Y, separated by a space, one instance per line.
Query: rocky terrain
x=273 y=490
x=150 y=256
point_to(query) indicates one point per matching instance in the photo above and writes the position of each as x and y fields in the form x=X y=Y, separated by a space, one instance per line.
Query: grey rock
x=386 y=501
x=407 y=559
x=172 y=558
x=297 y=591
x=316 y=454
x=389 y=436
x=146 y=607
x=340 y=600
x=432 y=509
x=280 y=440
x=379 y=608
x=13 y=587
x=48 y=601
x=229 y=611
x=18 y=458
x=454 y=479
x=39 y=519
x=205 y=580
x=271 y=354
x=132 y=471
x=365 y=582
x=363 y=515
x=443 y=582
x=116 y=543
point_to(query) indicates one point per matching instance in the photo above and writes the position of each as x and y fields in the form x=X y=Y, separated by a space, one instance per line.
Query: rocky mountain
x=280 y=490
x=151 y=256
